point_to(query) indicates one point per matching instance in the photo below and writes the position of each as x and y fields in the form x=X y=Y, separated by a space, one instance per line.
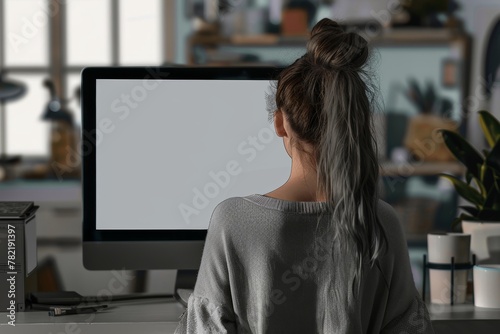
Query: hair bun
x=331 y=46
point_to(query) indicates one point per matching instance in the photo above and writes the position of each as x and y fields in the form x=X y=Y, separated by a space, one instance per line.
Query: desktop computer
x=161 y=148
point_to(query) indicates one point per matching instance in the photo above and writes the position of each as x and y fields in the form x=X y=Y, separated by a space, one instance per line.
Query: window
x=26 y=133
x=95 y=33
x=140 y=32
x=26 y=33
x=88 y=32
x=26 y=60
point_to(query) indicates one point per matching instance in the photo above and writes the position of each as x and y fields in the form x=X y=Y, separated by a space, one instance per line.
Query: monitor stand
x=184 y=285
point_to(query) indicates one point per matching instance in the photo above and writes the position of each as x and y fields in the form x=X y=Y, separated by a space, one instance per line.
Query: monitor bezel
x=89 y=77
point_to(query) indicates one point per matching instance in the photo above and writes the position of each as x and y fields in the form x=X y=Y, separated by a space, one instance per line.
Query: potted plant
x=481 y=188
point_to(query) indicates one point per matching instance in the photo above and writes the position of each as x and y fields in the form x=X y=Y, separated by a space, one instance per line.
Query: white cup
x=487 y=285
x=441 y=248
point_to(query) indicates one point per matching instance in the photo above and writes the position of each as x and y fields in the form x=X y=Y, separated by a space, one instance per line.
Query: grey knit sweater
x=257 y=275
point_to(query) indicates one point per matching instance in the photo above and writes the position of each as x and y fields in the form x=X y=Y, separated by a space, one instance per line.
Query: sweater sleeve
x=405 y=310
x=414 y=319
x=210 y=308
x=203 y=316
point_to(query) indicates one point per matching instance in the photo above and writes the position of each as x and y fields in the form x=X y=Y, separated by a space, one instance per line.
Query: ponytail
x=328 y=102
x=347 y=168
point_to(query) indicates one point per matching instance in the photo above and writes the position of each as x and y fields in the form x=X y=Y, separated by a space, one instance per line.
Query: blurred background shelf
x=202 y=42
x=400 y=35
x=420 y=168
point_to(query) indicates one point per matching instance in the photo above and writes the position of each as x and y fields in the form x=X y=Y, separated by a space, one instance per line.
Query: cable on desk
x=65 y=298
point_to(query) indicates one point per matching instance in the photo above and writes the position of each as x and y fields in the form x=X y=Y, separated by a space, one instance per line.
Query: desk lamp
x=55 y=111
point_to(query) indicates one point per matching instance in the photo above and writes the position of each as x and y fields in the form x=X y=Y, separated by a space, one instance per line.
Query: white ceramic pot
x=485 y=241
x=487 y=285
x=441 y=248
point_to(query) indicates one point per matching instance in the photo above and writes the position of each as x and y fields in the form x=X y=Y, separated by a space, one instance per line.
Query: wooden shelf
x=417 y=36
x=420 y=168
x=399 y=36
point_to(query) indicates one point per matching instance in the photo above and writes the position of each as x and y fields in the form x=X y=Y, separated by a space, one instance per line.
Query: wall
x=478 y=16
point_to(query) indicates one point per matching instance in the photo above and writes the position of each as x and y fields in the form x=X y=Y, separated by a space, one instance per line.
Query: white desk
x=162 y=315
x=464 y=318
x=138 y=317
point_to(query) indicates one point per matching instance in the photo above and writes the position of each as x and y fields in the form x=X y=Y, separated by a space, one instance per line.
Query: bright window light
x=140 y=32
x=26 y=32
x=27 y=133
x=88 y=32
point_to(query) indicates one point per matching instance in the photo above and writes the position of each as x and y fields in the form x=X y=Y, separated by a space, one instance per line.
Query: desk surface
x=143 y=316
x=162 y=315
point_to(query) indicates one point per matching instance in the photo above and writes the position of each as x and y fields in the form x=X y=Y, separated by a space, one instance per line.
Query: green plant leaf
x=487 y=179
x=470 y=210
x=463 y=151
x=480 y=184
x=492 y=200
x=493 y=158
x=468 y=177
x=465 y=190
x=490 y=126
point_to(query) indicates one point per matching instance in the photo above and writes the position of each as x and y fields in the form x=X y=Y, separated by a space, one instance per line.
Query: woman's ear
x=279 y=123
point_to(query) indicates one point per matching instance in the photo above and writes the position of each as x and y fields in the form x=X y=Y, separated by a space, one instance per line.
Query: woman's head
x=304 y=88
x=326 y=98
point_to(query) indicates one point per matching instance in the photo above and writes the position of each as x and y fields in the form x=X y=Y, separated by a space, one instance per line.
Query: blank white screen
x=168 y=151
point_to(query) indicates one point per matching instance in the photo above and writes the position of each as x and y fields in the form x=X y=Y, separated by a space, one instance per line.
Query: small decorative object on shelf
x=431 y=13
x=422 y=138
x=296 y=18
x=64 y=160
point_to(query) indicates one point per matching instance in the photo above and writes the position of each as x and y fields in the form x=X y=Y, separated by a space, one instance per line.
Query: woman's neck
x=301 y=186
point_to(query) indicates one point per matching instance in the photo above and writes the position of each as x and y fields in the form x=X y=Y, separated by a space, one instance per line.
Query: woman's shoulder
x=245 y=204
x=392 y=228
x=229 y=206
x=387 y=215
x=229 y=210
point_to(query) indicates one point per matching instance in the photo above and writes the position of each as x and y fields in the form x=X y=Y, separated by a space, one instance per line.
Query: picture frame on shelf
x=450 y=73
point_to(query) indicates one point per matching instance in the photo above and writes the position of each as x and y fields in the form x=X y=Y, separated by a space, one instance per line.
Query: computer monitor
x=161 y=148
